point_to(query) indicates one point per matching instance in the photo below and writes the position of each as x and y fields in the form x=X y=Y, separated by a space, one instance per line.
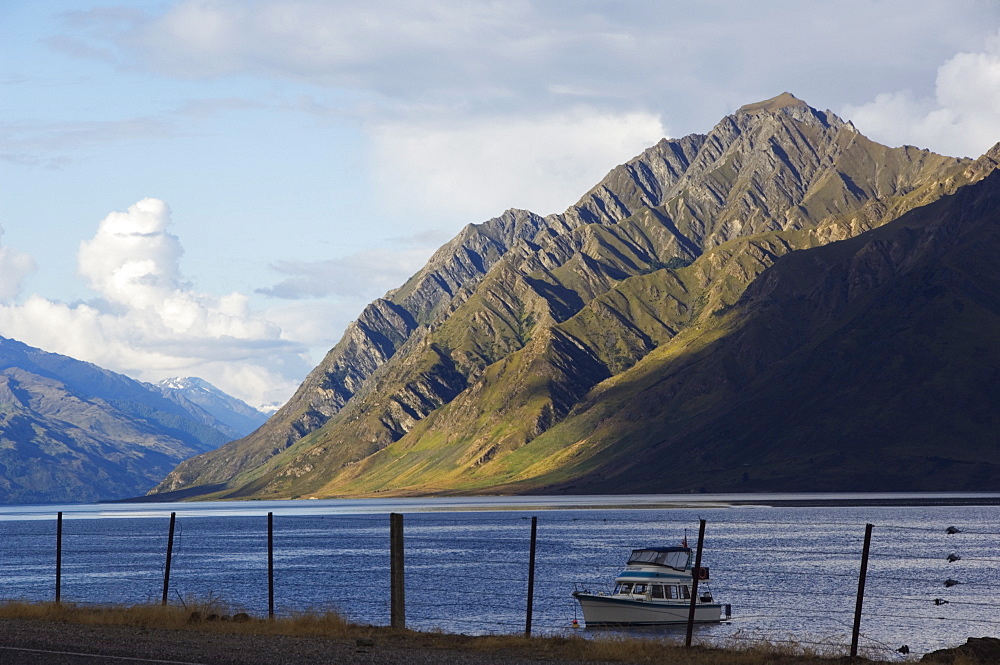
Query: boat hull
x=613 y=611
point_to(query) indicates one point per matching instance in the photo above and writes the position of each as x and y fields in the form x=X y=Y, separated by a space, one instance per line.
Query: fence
x=795 y=580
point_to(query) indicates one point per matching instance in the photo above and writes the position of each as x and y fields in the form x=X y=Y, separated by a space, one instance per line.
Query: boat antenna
x=684 y=543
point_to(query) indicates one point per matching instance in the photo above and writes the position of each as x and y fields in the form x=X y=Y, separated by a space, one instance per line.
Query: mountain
x=71 y=431
x=867 y=364
x=482 y=373
x=232 y=416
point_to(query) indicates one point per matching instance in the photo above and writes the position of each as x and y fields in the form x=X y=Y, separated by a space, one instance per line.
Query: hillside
x=477 y=373
x=71 y=431
x=870 y=363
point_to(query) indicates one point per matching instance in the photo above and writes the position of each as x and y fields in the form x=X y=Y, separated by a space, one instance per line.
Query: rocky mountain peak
x=187 y=382
x=774 y=104
x=787 y=104
x=993 y=153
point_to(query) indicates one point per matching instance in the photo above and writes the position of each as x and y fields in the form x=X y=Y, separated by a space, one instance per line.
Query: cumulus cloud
x=133 y=260
x=150 y=324
x=482 y=166
x=962 y=117
x=14 y=267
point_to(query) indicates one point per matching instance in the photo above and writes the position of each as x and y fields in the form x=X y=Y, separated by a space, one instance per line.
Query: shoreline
x=873 y=502
x=525 y=503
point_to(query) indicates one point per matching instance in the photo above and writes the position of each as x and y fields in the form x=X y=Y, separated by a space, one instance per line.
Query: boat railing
x=586 y=587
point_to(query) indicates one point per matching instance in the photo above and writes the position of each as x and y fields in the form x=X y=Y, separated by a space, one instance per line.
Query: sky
x=216 y=188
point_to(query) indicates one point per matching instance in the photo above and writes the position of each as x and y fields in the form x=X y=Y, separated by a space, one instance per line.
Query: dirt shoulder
x=21 y=639
x=44 y=642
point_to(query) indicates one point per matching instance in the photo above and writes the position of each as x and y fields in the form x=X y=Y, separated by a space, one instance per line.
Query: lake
x=790 y=572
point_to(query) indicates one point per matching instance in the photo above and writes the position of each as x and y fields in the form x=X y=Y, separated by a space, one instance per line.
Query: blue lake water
x=790 y=573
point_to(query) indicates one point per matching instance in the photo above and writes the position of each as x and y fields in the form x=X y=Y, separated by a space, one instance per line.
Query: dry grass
x=209 y=615
x=213 y=616
x=639 y=650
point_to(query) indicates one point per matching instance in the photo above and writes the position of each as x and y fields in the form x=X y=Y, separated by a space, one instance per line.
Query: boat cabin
x=678 y=558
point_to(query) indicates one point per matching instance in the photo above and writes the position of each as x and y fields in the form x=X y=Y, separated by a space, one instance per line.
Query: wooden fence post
x=170 y=551
x=694 y=583
x=270 y=565
x=59 y=556
x=397 y=611
x=531 y=577
x=861 y=590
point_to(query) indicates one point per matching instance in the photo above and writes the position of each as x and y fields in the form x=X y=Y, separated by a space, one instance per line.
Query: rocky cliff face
x=513 y=323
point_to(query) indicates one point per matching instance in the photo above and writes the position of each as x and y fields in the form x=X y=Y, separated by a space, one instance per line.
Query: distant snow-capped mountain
x=239 y=417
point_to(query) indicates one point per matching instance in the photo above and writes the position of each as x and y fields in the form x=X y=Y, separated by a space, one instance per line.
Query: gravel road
x=32 y=642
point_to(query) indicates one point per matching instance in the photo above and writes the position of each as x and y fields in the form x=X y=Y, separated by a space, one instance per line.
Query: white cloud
x=481 y=167
x=359 y=277
x=14 y=267
x=132 y=259
x=318 y=324
x=462 y=100
x=482 y=53
x=317 y=40
x=148 y=323
x=962 y=118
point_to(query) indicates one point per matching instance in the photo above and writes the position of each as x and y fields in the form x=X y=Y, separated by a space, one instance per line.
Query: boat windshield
x=672 y=557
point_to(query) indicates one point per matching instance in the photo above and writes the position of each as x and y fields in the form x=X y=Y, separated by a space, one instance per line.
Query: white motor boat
x=654 y=589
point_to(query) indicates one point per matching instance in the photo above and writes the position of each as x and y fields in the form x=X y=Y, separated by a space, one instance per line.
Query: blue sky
x=217 y=187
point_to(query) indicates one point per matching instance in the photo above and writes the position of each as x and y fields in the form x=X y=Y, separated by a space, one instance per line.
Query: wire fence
x=788 y=582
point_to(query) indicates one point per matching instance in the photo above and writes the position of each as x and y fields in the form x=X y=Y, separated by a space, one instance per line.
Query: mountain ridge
x=457 y=375
x=920 y=257
x=73 y=431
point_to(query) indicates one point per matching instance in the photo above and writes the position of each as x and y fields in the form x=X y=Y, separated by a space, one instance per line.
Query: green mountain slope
x=469 y=376
x=867 y=364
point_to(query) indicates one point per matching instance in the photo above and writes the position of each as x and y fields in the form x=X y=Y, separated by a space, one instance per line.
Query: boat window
x=639 y=588
x=626 y=588
x=677 y=559
x=643 y=556
x=671 y=592
x=657 y=591
x=686 y=592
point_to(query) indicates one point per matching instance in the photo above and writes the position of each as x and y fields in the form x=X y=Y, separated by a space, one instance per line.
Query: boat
x=654 y=589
